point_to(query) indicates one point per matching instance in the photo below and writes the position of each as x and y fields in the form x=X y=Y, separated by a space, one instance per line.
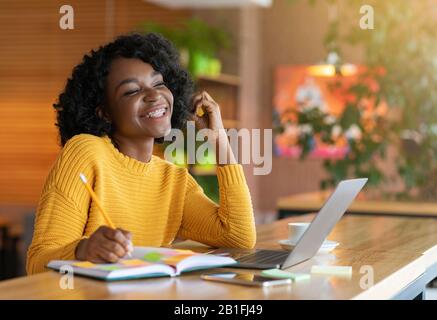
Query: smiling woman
x=118 y=102
x=98 y=82
x=139 y=104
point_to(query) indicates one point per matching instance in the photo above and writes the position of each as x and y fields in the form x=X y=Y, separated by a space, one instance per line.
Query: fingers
x=107 y=251
x=201 y=99
x=209 y=106
x=115 y=248
x=207 y=96
x=101 y=255
x=109 y=245
x=118 y=235
x=106 y=245
x=128 y=236
x=197 y=98
x=197 y=105
x=206 y=112
x=197 y=111
x=107 y=256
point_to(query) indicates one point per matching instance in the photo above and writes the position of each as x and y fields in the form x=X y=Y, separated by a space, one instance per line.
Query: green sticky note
x=152 y=256
x=333 y=270
x=276 y=273
x=110 y=268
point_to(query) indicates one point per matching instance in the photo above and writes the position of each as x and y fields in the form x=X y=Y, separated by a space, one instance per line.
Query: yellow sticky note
x=84 y=264
x=133 y=262
x=184 y=251
x=174 y=260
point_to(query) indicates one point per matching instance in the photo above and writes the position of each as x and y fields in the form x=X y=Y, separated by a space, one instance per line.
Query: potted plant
x=198 y=43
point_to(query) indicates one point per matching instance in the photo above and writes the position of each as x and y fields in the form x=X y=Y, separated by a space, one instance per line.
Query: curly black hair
x=85 y=89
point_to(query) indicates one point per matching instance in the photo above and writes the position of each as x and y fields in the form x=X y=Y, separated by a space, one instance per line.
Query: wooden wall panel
x=36 y=57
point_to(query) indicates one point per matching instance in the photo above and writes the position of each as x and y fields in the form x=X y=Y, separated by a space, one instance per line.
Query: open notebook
x=146 y=262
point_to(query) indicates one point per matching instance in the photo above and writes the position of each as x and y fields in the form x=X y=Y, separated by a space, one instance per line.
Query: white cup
x=296 y=230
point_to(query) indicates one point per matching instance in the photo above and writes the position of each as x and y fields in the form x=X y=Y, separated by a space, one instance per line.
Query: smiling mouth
x=156 y=113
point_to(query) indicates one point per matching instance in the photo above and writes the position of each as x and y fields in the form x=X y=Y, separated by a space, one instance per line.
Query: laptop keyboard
x=263 y=256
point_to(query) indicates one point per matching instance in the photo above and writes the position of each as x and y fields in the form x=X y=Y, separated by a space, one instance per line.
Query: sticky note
x=200 y=112
x=110 y=268
x=277 y=273
x=332 y=270
x=184 y=251
x=177 y=252
x=152 y=256
x=173 y=260
x=133 y=262
x=84 y=264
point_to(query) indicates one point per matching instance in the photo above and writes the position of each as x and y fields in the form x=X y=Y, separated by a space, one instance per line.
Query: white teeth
x=156 y=114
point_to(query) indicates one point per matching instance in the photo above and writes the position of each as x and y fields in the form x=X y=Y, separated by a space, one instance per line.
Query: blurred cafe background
x=347 y=87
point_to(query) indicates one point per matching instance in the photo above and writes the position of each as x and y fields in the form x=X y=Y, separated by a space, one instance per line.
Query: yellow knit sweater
x=156 y=201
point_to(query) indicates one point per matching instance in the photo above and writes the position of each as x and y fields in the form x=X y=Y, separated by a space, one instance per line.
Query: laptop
x=310 y=242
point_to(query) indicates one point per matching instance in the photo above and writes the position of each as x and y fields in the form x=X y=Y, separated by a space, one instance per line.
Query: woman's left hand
x=211 y=117
x=206 y=114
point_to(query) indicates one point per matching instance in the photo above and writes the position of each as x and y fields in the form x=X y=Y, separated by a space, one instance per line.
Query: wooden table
x=304 y=203
x=401 y=251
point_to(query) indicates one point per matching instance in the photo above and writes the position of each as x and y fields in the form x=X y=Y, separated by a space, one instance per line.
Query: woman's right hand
x=105 y=245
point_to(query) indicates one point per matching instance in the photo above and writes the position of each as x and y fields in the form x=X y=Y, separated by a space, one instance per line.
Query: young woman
x=118 y=101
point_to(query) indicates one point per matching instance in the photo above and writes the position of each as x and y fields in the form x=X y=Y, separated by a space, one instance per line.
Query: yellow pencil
x=99 y=205
x=96 y=200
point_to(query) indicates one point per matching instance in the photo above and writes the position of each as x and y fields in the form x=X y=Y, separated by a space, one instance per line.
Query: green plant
x=200 y=41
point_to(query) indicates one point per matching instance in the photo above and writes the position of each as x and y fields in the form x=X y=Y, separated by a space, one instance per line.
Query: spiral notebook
x=146 y=262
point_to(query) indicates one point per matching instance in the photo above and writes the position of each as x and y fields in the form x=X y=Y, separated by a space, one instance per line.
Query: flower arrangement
x=347 y=141
x=404 y=44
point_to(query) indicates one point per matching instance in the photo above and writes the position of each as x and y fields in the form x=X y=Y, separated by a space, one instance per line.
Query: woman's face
x=138 y=102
